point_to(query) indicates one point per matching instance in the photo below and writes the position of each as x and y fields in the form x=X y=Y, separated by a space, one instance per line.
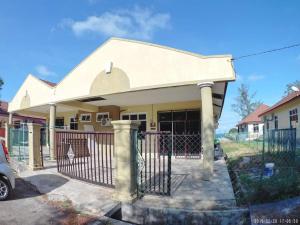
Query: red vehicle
x=5 y=150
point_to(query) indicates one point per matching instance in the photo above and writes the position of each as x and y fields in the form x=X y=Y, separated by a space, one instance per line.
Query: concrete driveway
x=29 y=207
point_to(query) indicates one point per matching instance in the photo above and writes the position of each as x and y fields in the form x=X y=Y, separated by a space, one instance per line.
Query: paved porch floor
x=190 y=192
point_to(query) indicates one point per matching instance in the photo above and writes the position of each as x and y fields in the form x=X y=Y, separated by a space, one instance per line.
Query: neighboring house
x=161 y=87
x=284 y=114
x=252 y=126
x=17 y=119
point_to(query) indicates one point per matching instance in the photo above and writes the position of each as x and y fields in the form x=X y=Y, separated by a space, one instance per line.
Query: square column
x=7 y=135
x=10 y=119
x=125 y=157
x=52 y=131
x=207 y=128
x=34 y=146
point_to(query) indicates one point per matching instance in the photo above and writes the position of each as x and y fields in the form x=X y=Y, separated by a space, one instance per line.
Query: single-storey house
x=284 y=114
x=252 y=126
x=165 y=89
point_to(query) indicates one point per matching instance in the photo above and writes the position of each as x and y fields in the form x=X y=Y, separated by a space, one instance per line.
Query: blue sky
x=48 y=38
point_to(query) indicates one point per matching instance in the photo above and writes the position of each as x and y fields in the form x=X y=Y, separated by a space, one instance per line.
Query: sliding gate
x=154 y=152
x=87 y=156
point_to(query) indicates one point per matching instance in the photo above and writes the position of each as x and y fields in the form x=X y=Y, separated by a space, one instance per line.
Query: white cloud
x=239 y=77
x=44 y=71
x=255 y=77
x=140 y=23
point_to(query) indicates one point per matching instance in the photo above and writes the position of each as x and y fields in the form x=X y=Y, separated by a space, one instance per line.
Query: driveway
x=29 y=207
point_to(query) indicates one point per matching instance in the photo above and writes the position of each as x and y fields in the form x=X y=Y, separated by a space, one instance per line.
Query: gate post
x=34 y=146
x=125 y=157
x=7 y=136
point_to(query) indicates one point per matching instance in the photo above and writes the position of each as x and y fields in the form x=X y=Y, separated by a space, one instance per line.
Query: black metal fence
x=86 y=156
x=281 y=142
x=44 y=145
x=154 y=150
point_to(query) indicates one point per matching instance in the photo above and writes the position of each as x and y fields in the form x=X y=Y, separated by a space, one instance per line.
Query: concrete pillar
x=52 y=131
x=125 y=157
x=7 y=135
x=207 y=129
x=10 y=119
x=34 y=146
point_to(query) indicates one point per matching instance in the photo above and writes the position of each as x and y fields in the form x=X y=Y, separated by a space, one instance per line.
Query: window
x=73 y=123
x=255 y=128
x=101 y=116
x=276 y=122
x=293 y=117
x=86 y=117
x=60 y=123
x=268 y=126
x=17 y=123
x=141 y=117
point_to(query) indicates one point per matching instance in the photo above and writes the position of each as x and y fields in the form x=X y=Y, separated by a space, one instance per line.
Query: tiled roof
x=49 y=83
x=3 y=106
x=254 y=116
x=285 y=100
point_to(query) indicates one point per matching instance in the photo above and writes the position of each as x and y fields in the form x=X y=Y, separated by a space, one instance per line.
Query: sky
x=48 y=38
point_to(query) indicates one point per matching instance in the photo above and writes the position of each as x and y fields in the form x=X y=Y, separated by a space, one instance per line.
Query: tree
x=244 y=102
x=233 y=131
x=289 y=90
x=1 y=85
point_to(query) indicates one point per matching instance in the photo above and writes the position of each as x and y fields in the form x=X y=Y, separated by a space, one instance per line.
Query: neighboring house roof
x=49 y=83
x=3 y=106
x=293 y=96
x=254 y=116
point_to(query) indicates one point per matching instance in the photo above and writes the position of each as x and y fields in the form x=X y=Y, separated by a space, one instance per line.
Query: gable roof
x=294 y=95
x=49 y=83
x=254 y=116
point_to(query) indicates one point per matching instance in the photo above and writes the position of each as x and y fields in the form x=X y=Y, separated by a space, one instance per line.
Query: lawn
x=246 y=163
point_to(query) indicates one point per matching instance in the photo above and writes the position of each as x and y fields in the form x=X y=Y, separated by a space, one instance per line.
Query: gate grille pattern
x=187 y=146
x=154 y=161
x=86 y=156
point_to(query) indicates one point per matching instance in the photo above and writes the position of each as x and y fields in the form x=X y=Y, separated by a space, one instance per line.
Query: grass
x=246 y=161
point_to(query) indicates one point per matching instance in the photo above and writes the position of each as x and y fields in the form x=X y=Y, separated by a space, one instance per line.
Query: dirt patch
x=69 y=215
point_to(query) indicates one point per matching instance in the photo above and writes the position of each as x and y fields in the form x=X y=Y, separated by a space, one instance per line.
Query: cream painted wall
x=39 y=93
x=159 y=66
x=283 y=117
x=116 y=111
x=160 y=107
x=146 y=66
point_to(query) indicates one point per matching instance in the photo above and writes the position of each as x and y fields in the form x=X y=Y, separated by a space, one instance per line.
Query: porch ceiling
x=143 y=97
x=160 y=95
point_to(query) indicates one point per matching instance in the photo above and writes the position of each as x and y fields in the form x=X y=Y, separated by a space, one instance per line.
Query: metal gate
x=154 y=152
x=187 y=146
x=44 y=145
x=87 y=156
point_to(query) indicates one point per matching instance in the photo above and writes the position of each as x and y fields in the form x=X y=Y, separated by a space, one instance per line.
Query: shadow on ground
x=46 y=182
x=26 y=189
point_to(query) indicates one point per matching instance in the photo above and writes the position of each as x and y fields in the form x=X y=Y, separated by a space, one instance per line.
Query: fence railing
x=265 y=169
x=154 y=152
x=18 y=146
x=86 y=156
